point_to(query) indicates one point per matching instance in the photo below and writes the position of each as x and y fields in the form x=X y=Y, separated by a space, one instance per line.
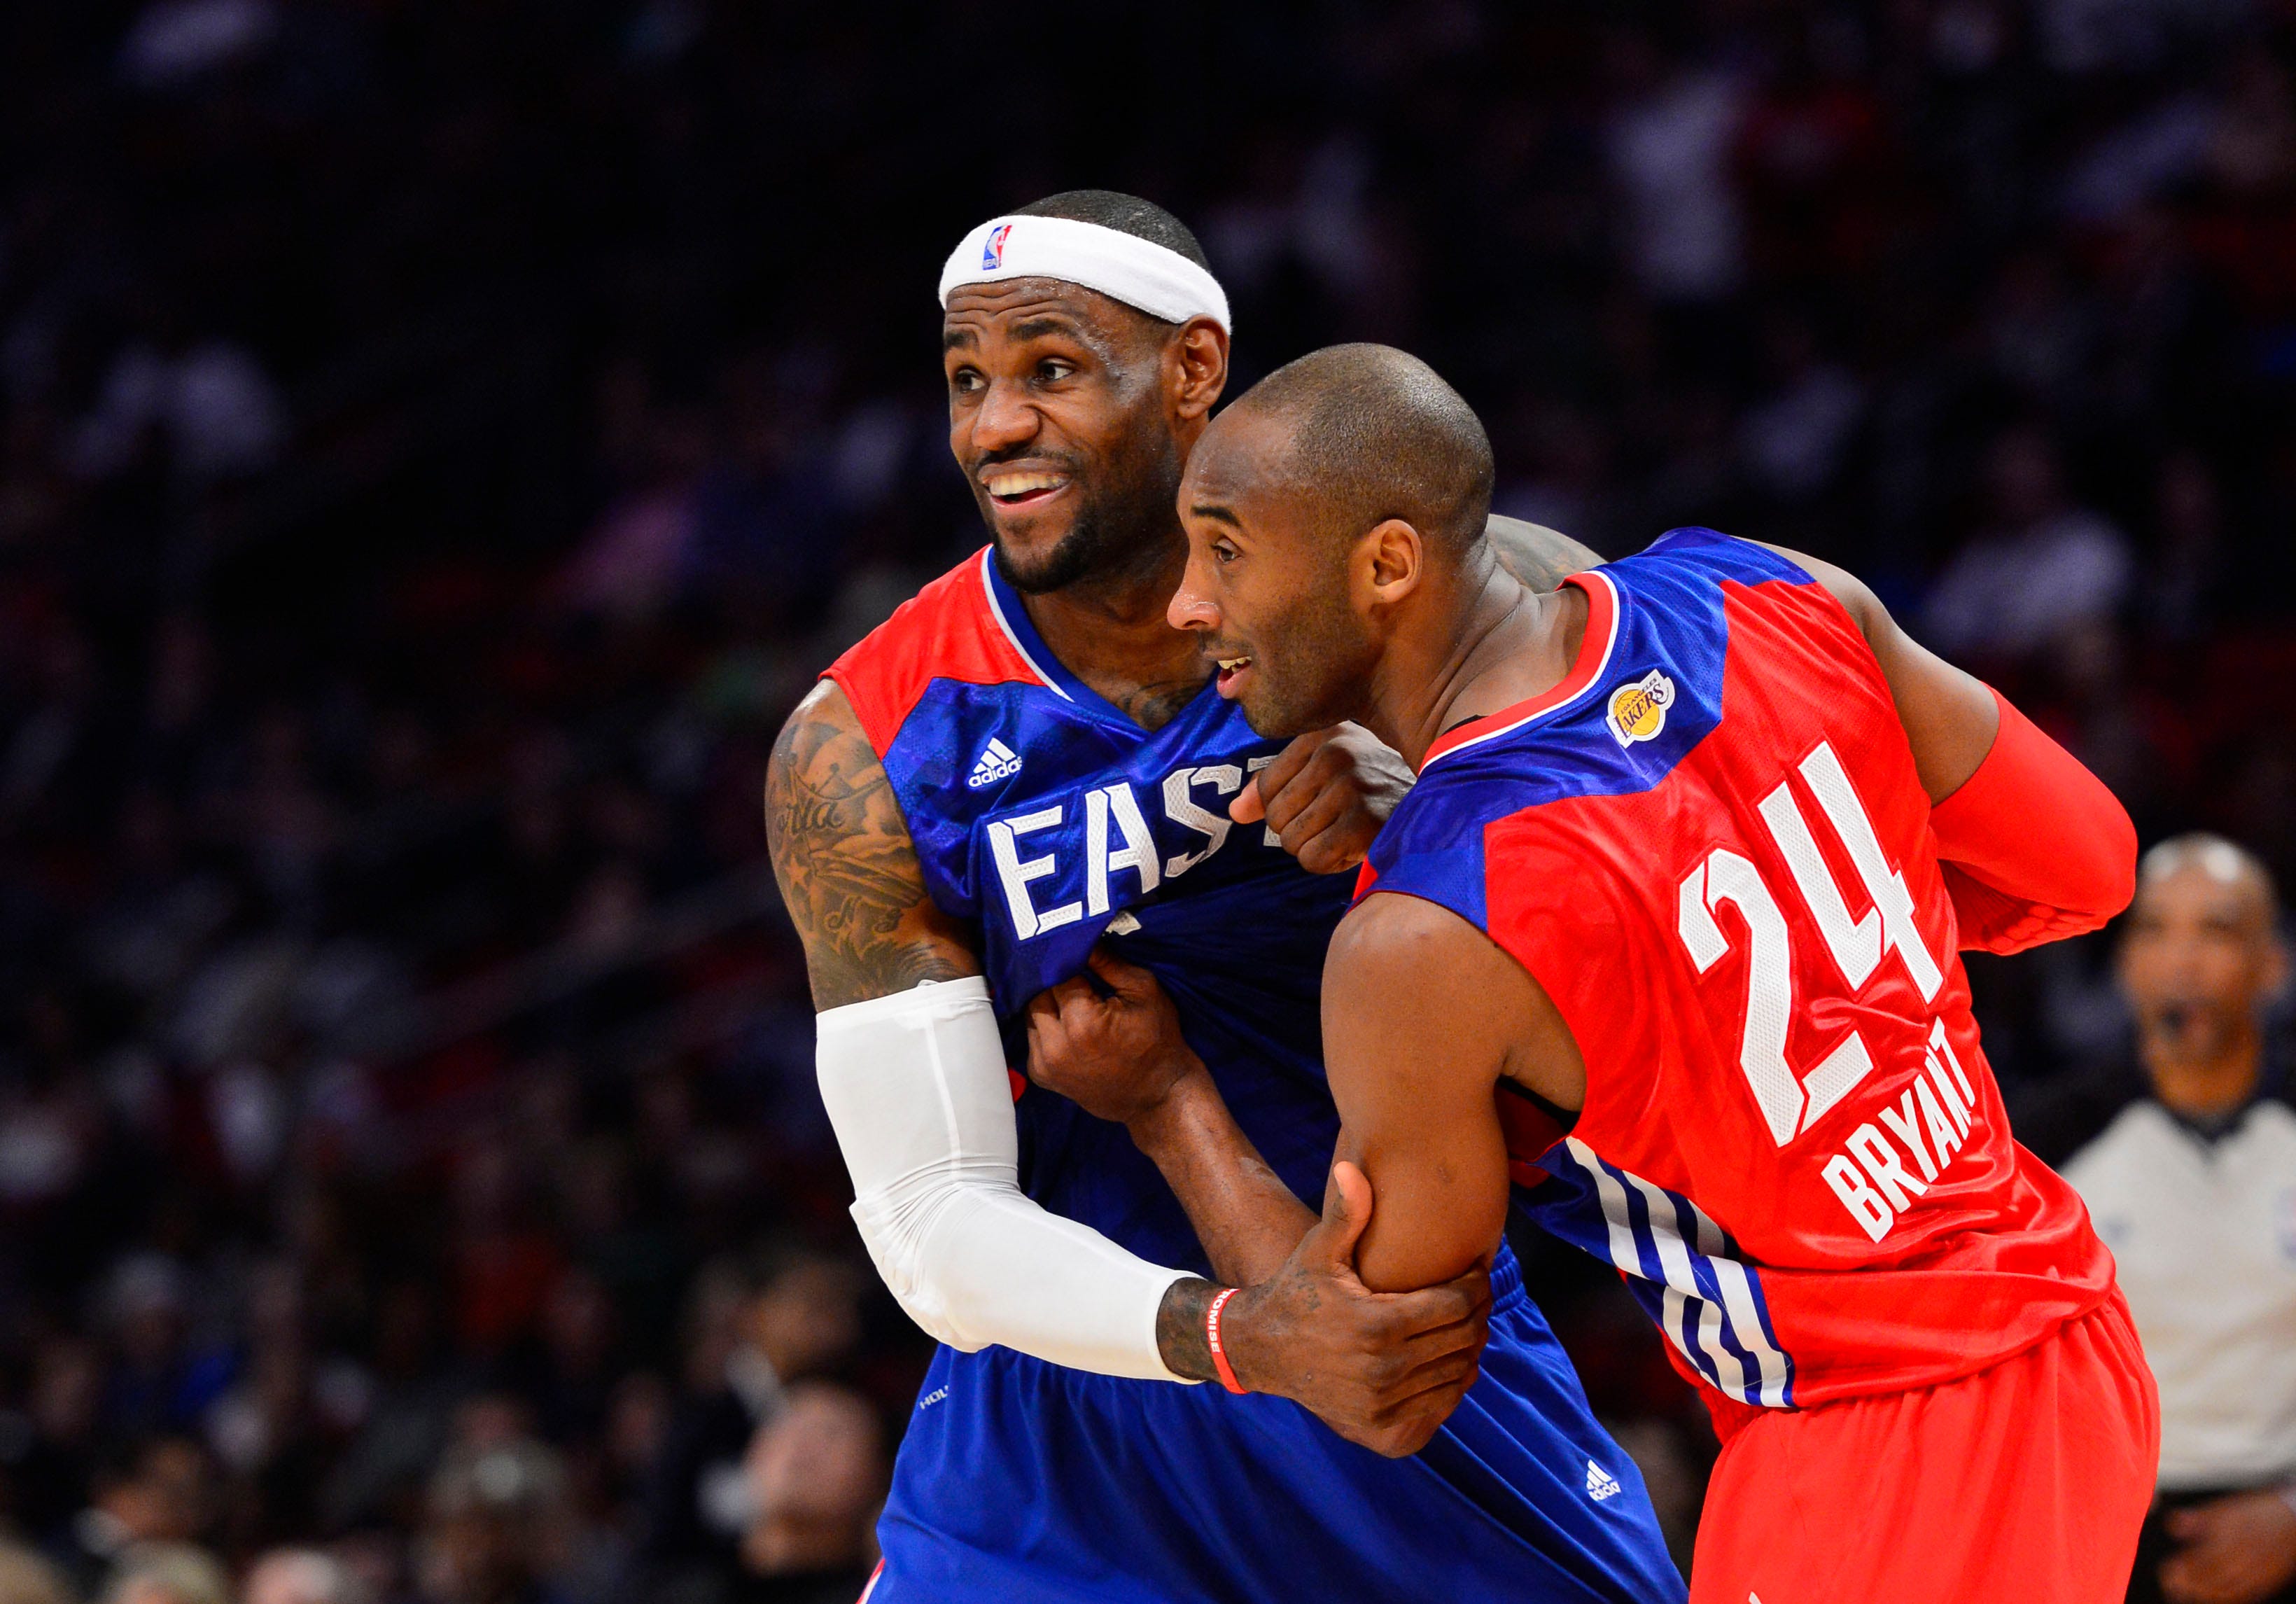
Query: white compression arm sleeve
x=916 y=1089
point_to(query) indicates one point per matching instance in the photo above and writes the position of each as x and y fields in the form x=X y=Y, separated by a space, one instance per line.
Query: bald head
x=1335 y=511
x=2215 y=861
x=1375 y=433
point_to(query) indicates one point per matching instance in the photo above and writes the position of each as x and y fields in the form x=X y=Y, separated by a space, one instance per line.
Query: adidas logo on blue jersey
x=997 y=760
x=1599 y=1483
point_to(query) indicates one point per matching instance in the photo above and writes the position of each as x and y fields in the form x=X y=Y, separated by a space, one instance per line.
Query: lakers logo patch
x=1638 y=711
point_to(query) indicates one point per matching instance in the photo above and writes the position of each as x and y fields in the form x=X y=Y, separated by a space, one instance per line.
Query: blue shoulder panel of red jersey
x=1646 y=689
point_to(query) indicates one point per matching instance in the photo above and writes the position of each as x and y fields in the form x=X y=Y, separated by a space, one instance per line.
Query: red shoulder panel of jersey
x=949 y=630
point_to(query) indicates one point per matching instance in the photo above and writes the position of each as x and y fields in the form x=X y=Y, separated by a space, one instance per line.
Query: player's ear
x=1199 y=354
x=1393 y=562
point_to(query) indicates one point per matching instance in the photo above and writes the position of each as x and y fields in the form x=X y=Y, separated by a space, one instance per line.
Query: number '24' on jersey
x=1710 y=847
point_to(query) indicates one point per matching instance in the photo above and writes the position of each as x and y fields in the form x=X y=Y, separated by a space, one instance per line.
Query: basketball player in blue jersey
x=1027 y=761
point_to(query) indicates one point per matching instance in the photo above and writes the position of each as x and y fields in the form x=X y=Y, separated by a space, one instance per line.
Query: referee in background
x=2186 y=1152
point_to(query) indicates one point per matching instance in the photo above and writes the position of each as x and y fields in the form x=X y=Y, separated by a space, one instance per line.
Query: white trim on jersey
x=1707 y=1324
x=997 y=610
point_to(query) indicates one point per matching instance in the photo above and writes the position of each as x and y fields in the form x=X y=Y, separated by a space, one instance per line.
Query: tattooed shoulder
x=848 y=870
x=1154 y=706
x=1540 y=557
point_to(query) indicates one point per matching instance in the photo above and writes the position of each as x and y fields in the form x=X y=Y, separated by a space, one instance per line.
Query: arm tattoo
x=848 y=870
x=1540 y=557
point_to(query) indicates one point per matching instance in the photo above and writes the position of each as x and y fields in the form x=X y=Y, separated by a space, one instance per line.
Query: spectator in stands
x=817 y=1479
x=302 y=1576
x=496 y=1529
x=26 y=1577
x=156 y=1497
x=795 y=1316
x=2045 y=566
x=2185 y=1156
x=168 y=1573
x=1670 y=141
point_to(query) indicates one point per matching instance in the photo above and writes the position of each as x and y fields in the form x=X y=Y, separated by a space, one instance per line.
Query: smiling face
x=1071 y=415
x=1268 y=591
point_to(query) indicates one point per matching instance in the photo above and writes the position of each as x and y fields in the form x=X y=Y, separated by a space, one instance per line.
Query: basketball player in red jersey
x=1667 y=932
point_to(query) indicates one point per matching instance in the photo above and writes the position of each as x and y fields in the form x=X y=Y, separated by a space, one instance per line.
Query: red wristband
x=1212 y=1340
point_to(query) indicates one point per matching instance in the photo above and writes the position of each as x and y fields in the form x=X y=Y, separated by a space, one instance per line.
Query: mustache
x=1063 y=461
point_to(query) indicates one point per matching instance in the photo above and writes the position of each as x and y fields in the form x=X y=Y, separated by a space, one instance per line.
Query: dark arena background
x=439 y=442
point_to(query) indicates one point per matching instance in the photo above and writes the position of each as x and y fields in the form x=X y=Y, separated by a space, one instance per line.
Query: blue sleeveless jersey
x=1048 y=820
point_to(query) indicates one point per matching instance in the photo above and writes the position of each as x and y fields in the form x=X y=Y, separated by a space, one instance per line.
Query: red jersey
x=1709 y=845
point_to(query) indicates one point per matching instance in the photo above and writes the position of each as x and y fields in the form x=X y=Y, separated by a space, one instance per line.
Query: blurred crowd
x=439 y=443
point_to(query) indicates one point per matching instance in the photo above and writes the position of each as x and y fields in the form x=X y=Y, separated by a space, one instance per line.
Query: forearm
x=1184 y=1330
x=1247 y=1219
x=915 y=1086
x=1382 y=1370
x=2018 y=884
x=996 y=1267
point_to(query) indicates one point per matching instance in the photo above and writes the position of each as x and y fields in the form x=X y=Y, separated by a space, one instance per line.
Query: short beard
x=1092 y=549
x=1278 y=717
x=1129 y=532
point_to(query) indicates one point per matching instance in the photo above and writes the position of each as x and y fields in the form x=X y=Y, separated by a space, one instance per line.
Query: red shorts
x=2024 y=1483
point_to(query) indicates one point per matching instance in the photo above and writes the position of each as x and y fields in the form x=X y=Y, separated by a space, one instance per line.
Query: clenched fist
x=1117 y=1055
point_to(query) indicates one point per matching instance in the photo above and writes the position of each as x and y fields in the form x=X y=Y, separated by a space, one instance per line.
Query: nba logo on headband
x=1153 y=278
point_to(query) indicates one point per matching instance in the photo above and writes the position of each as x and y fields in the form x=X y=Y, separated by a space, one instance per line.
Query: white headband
x=1123 y=266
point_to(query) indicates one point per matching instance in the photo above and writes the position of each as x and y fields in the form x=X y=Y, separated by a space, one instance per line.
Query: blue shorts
x=1024 y=1483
